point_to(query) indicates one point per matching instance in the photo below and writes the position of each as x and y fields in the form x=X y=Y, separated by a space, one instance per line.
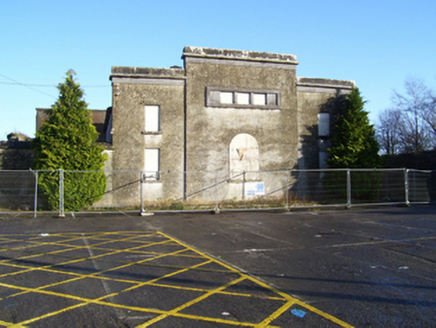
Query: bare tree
x=430 y=111
x=417 y=117
x=388 y=133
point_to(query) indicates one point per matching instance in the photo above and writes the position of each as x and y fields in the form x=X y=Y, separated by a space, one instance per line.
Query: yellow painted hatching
x=20 y=253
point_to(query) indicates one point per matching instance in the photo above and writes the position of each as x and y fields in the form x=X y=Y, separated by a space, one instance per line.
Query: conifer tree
x=66 y=140
x=354 y=144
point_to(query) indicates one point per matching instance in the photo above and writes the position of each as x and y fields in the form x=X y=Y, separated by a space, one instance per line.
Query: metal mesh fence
x=318 y=188
x=420 y=185
x=254 y=190
x=28 y=191
x=17 y=191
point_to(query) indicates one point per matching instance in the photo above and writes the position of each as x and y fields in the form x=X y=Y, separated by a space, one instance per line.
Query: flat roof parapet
x=317 y=85
x=144 y=72
x=326 y=83
x=238 y=55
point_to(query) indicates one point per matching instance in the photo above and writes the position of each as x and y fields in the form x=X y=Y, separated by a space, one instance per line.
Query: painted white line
x=106 y=287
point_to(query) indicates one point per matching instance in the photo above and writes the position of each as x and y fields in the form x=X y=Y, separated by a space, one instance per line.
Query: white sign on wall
x=254 y=188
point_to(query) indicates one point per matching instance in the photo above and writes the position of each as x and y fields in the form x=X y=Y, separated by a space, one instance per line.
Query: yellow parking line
x=85 y=301
x=166 y=276
x=273 y=298
x=92 y=275
x=35 y=244
x=78 y=260
x=188 y=304
x=323 y=314
x=276 y=314
x=72 y=247
x=6 y=324
x=105 y=238
x=286 y=296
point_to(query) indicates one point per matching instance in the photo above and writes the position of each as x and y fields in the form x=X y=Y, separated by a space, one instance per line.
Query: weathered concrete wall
x=209 y=130
x=317 y=96
x=309 y=105
x=133 y=89
x=197 y=128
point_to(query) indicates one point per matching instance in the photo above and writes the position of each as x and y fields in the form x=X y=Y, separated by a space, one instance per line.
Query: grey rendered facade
x=226 y=111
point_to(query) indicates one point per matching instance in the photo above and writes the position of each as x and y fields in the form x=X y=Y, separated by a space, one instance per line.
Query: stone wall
x=16 y=158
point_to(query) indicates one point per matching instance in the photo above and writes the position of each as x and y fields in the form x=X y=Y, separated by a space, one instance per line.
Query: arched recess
x=244 y=156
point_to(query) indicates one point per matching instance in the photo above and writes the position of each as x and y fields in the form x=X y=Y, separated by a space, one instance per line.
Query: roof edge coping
x=144 y=72
x=325 y=83
x=189 y=51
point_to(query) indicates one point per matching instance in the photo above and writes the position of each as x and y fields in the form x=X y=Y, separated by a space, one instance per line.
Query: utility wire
x=27 y=86
x=31 y=86
x=49 y=85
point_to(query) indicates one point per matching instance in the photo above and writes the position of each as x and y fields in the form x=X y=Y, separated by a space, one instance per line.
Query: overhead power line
x=31 y=86
x=49 y=85
x=27 y=86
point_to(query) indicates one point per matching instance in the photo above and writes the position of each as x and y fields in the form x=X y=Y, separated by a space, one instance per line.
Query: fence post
x=288 y=175
x=243 y=185
x=348 y=188
x=406 y=185
x=35 y=201
x=216 y=209
x=141 y=182
x=61 y=193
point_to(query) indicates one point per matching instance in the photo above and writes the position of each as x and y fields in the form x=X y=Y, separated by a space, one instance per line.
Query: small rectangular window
x=214 y=98
x=323 y=125
x=226 y=97
x=243 y=98
x=152 y=164
x=259 y=99
x=272 y=99
x=152 y=119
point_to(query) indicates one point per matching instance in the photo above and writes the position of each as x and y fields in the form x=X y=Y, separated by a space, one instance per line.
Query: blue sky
x=377 y=44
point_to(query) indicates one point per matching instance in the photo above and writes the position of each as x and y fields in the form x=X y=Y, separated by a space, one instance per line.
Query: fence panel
x=254 y=190
x=365 y=186
x=164 y=192
x=122 y=191
x=17 y=191
x=420 y=185
x=317 y=188
x=37 y=191
x=392 y=186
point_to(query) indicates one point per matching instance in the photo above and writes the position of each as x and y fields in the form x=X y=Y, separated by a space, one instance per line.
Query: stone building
x=223 y=113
